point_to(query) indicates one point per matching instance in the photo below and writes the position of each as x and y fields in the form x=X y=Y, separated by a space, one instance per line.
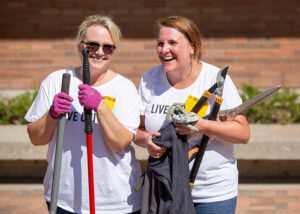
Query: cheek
x=158 y=49
x=110 y=57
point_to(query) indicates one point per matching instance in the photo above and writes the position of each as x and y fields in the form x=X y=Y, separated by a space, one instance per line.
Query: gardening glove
x=89 y=97
x=61 y=104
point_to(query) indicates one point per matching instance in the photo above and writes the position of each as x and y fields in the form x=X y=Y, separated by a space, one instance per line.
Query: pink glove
x=61 y=104
x=89 y=97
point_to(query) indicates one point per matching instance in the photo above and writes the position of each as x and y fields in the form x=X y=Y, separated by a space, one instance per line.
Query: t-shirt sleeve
x=40 y=105
x=142 y=97
x=127 y=107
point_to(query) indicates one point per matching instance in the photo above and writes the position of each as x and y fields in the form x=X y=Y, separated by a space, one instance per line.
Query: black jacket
x=166 y=184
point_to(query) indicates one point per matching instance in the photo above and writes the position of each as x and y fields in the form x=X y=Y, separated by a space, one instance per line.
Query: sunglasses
x=94 y=46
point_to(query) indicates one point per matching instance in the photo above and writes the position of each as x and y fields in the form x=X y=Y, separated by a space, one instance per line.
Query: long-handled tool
x=88 y=130
x=207 y=93
x=59 y=147
x=230 y=114
x=213 y=115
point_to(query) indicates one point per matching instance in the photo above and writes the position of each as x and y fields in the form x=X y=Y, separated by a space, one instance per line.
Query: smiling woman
x=182 y=74
x=117 y=119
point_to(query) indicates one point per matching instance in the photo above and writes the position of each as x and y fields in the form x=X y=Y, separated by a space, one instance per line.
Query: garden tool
x=212 y=116
x=230 y=114
x=207 y=93
x=59 y=147
x=88 y=130
x=179 y=114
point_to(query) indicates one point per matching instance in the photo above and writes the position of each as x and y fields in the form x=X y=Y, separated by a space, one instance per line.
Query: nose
x=165 y=48
x=100 y=50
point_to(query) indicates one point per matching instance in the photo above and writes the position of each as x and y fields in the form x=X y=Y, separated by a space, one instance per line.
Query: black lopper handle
x=86 y=80
x=205 y=96
x=199 y=156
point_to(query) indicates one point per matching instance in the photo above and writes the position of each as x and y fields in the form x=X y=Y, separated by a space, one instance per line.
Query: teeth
x=97 y=59
x=168 y=58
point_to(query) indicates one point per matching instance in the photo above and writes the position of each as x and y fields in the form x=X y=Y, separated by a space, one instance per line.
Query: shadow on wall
x=228 y=18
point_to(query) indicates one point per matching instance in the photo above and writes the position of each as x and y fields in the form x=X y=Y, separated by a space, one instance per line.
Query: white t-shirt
x=217 y=178
x=114 y=173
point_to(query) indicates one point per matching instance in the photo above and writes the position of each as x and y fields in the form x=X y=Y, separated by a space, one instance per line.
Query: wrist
x=97 y=108
x=52 y=113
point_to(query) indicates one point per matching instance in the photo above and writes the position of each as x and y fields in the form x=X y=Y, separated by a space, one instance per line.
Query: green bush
x=282 y=108
x=13 y=110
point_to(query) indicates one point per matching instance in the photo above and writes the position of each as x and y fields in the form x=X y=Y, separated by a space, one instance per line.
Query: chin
x=99 y=65
x=168 y=68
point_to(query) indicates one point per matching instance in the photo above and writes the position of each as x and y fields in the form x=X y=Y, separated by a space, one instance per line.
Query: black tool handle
x=216 y=108
x=202 y=147
x=86 y=80
x=205 y=96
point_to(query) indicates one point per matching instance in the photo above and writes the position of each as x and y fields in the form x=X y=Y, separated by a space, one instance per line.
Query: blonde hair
x=187 y=27
x=105 y=21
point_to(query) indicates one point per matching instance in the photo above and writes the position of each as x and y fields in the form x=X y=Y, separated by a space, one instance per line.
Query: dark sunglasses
x=94 y=46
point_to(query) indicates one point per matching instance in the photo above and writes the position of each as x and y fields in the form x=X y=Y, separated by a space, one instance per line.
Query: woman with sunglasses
x=114 y=101
x=181 y=74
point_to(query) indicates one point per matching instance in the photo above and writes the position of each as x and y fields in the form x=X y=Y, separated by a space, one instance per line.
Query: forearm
x=41 y=131
x=141 y=137
x=236 y=131
x=115 y=135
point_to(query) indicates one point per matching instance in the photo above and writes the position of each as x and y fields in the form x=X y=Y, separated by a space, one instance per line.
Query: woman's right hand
x=61 y=104
x=154 y=150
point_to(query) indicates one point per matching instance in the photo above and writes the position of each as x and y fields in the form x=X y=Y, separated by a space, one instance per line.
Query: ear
x=193 y=48
x=79 y=47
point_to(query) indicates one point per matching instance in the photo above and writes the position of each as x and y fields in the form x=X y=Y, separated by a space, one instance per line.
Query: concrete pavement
x=252 y=199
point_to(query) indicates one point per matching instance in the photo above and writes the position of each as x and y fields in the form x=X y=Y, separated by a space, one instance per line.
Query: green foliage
x=13 y=110
x=282 y=108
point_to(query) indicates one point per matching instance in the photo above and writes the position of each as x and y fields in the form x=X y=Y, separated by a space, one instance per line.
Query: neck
x=96 y=78
x=183 y=78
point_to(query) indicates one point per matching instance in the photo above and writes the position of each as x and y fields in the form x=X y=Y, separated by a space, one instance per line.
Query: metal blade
x=223 y=72
x=231 y=113
x=221 y=80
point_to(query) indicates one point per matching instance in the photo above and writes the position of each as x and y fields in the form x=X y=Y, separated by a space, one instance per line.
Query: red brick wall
x=260 y=40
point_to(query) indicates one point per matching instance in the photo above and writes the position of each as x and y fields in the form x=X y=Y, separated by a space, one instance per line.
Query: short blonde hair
x=187 y=27
x=106 y=22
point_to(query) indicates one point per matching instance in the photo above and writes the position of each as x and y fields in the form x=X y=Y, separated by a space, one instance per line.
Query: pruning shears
x=217 y=89
x=208 y=93
x=230 y=114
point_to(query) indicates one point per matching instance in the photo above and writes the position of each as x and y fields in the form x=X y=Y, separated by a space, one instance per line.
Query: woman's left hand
x=182 y=130
x=89 y=97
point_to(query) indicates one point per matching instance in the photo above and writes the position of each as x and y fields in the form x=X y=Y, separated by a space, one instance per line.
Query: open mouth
x=97 y=58
x=168 y=58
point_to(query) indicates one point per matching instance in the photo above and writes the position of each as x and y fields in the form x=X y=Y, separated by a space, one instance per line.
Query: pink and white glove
x=61 y=104
x=89 y=97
